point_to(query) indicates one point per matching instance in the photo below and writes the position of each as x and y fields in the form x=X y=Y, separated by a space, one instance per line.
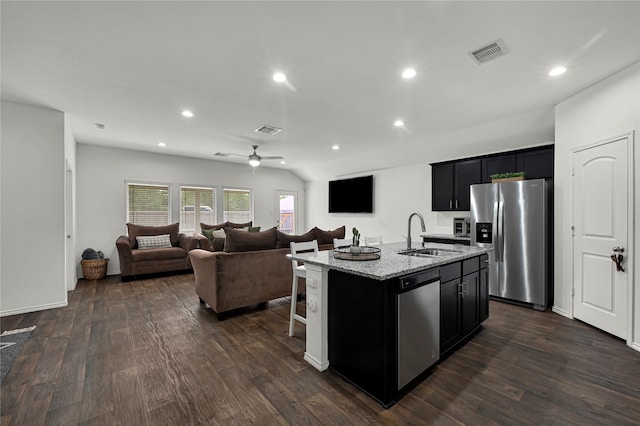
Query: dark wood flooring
x=147 y=353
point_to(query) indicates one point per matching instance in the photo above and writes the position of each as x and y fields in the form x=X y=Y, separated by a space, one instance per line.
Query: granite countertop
x=391 y=264
x=446 y=237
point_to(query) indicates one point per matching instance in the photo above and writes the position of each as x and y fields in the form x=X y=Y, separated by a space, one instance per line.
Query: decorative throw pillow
x=326 y=237
x=283 y=239
x=153 y=241
x=254 y=229
x=249 y=241
x=143 y=231
x=208 y=233
x=218 y=233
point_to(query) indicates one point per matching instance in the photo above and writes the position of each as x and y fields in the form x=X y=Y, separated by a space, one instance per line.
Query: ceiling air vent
x=489 y=52
x=267 y=130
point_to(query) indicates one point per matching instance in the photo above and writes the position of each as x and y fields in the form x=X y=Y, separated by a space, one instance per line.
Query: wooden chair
x=299 y=271
x=341 y=242
x=373 y=240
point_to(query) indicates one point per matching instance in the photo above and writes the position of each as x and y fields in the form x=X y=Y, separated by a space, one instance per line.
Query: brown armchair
x=139 y=261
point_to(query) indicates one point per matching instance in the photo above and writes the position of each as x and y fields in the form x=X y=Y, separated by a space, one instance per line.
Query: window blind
x=237 y=205
x=148 y=204
x=197 y=205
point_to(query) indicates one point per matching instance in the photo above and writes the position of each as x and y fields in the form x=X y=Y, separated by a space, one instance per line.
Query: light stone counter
x=391 y=264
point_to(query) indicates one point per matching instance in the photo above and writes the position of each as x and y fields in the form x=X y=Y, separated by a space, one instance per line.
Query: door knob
x=618 y=249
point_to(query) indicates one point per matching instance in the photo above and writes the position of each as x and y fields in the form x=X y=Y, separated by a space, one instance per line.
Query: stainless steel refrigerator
x=514 y=219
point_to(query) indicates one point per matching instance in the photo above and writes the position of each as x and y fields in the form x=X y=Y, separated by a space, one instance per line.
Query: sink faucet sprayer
x=409 y=227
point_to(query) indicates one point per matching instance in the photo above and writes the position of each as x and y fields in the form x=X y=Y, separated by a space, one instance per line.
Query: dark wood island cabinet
x=365 y=329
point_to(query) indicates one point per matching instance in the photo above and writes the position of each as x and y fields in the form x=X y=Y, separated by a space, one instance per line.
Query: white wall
x=101 y=176
x=607 y=109
x=33 y=222
x=398 y=192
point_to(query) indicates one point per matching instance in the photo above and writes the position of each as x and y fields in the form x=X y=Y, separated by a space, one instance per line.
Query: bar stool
x=299 y=271
x=373 y=240
x=341 y=242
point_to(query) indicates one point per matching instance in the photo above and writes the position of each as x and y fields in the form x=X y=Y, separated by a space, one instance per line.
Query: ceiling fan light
x=254 y=162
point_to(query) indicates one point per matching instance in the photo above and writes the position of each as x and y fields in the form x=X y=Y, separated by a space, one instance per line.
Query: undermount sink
x=429 y=252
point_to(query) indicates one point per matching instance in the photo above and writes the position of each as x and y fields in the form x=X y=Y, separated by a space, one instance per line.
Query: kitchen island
x=382 y=323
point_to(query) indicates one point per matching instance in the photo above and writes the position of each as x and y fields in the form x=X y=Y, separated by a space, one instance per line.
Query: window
x=197 y=205
x=238 y=205
x=147 y=204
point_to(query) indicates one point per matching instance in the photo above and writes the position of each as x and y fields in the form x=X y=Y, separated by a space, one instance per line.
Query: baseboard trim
x=34 y=308
x=562 y=312
x=320 y=366
x=635 y=346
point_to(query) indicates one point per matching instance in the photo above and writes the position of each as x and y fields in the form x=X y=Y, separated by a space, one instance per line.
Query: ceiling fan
x=254 y=159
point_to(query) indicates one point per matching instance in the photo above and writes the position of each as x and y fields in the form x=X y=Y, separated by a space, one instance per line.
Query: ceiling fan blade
x=227 y=154
x=273 y=157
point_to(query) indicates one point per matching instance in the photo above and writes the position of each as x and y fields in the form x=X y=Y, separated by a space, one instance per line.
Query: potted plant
x=507 y=177
x=355 y=247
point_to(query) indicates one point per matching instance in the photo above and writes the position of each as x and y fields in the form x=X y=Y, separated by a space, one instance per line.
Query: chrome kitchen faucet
x=424 y=229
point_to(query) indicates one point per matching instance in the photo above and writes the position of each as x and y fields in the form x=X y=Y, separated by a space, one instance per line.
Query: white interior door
x=601 y=211
x=70 y=257
x=287 y=212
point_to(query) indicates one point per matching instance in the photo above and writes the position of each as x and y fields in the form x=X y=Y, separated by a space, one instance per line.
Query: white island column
x=317 y=350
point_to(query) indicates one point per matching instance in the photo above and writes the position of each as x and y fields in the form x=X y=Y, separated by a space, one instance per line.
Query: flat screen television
x=353 y=195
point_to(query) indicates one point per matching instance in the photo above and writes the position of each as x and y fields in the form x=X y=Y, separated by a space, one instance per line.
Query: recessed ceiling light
x=162 y=144
x=409 y=73
x=557 y=71
x=283 y=162
x=187 y=113
x=279 y=77
x=335 y=147
x=398 y=123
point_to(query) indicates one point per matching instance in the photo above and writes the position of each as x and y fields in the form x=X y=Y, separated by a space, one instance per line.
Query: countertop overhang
x=391 y=264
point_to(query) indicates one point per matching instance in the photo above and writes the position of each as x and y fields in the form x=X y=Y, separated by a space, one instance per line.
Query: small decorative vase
x=355 y=249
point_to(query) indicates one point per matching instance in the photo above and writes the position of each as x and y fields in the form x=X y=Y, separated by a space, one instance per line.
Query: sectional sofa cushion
x=204 y=226
x=246 y=225
x=141 y=231
x=326 y=237
x=248 y=241
x=283 y=240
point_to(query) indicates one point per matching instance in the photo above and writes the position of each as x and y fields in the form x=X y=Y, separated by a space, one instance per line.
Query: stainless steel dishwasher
x=418 y=324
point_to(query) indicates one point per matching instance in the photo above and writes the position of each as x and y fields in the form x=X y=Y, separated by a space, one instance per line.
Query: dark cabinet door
x=483 y=296
x=465 y=174
x=449 y=314
x=537 y=163
x=442 y=187
x=470 y=293
x=498 y=164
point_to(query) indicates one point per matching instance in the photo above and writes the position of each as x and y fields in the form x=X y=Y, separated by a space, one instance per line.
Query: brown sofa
x=252 y=268
x=140 y=261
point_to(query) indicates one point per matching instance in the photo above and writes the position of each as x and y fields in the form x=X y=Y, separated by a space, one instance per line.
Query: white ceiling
x=133 y=66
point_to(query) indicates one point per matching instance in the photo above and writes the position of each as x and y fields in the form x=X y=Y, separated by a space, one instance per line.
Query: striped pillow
x=154 y=241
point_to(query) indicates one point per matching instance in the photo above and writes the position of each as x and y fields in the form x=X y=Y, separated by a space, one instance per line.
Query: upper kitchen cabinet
x=504 y=163
x=450 y=184
x=536 y=163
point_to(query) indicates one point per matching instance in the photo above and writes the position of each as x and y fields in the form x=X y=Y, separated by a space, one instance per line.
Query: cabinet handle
x=456 y=204
x=460 y=289
x=450 y=204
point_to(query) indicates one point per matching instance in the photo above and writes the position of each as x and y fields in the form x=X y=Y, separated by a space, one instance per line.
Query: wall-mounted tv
x=353 y=195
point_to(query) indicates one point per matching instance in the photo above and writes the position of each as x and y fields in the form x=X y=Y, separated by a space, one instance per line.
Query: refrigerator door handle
x=500 y=232
x=494 y=237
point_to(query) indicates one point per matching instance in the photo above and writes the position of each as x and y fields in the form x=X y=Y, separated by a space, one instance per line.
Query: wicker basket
x=94 y=269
